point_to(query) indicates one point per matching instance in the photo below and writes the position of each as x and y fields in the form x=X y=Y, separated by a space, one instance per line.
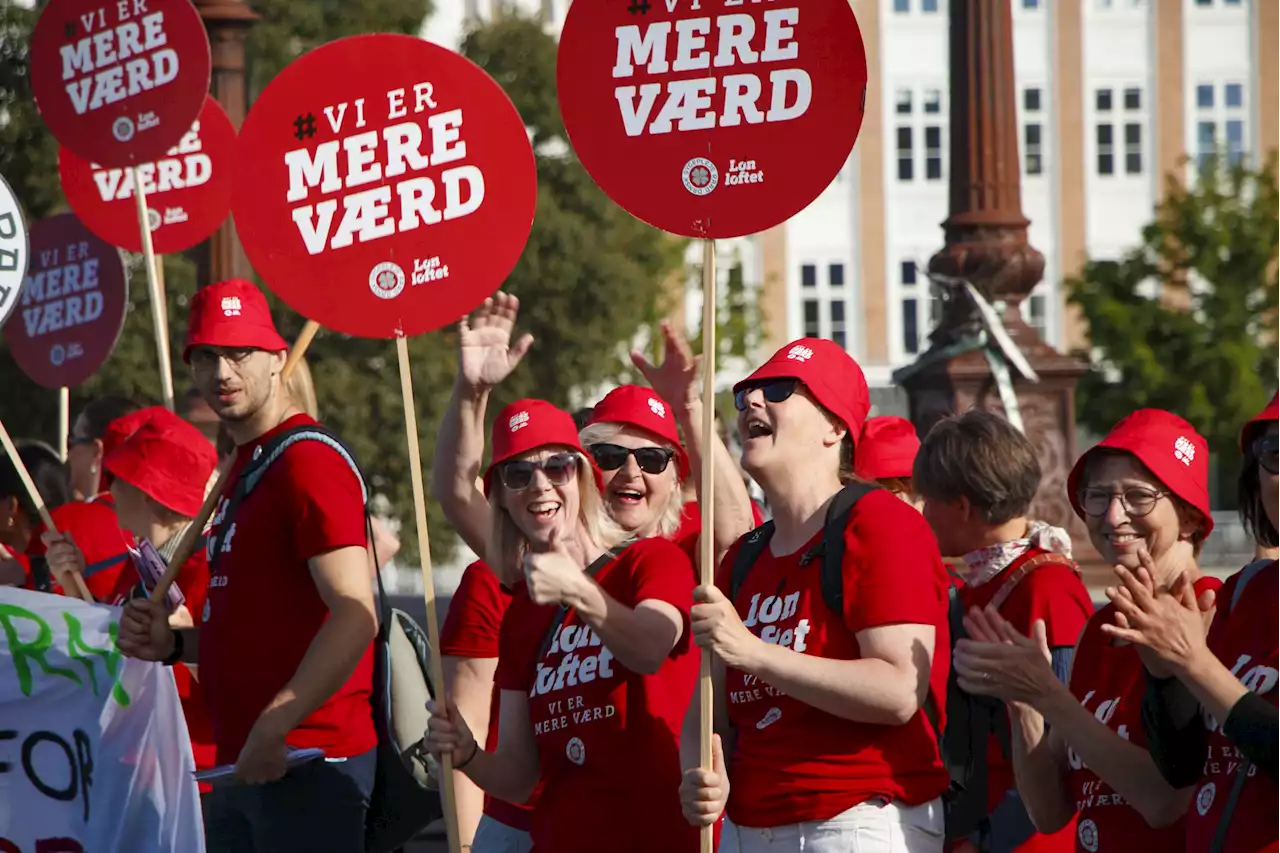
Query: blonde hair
x=668 y=521
x=302 y=390
x=508 y=544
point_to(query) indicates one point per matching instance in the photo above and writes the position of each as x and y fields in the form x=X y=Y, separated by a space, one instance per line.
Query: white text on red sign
x=184 y=166
x=63 y=294
x=352 y=161
x=688 y=104
x=115 y=63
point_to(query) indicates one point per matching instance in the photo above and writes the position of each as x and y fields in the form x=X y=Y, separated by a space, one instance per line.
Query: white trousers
x=870 y=827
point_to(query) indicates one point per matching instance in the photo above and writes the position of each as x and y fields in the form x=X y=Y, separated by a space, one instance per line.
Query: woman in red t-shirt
x=1079 y=751
x=633 y=436
x=1210 y=708
x=159 y=475
x=595 y=663
x=824 y=737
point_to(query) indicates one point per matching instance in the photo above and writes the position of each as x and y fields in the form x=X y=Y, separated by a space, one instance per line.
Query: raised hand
x=485 y=353
x=1169 y=628
x=676 y=379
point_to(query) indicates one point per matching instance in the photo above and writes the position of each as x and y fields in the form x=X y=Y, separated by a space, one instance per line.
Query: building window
x=1220 y=122
x=811 y=329
x=908 y=273
x=1035 y=314
x=1119 y=137
x=835 y=275
x=1032 y=132
x=808 y=275
x=925 y=125
x=1031 y=4
x=933 y=153
x=910 y=328
x=929 y=6
x=837 y=323
x=1106 y=159
x=905 y=159
x=901 y=6
x=1133 y=149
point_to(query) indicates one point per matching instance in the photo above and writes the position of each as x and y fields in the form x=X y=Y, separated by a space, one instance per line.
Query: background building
x=1112 y=95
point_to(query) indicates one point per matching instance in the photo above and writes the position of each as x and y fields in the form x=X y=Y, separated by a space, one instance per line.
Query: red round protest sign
x=712 y=119
x=384 y=186
x=188 y=191
x=119 y=81
x=72 y=306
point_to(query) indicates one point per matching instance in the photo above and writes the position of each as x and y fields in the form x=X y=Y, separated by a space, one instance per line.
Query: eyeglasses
x=652 y=460
x=207 y=358
x=518 y=476
x=1267 y=449
x=77 y=441
x=775 y=391
x=1135 y=501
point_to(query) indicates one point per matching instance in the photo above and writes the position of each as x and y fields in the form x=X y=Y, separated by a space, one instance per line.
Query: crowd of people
x=903 y=658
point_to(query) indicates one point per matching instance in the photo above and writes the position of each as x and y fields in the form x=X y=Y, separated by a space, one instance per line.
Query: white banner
x=94 y=754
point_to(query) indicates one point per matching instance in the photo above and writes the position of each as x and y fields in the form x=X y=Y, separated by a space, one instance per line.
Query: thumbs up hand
x=553 y=571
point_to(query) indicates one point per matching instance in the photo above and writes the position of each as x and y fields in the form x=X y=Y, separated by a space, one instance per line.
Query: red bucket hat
x=887 y=448
x=833 y=378
x=643 y=409
x=1268 y=414
x=527 y=425
x=169 y=460
x=231 y=314
x=1168 y=446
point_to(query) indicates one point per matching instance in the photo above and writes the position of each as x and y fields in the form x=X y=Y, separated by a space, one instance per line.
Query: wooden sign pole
x=706 y=541
x=157 y=296
x=80 y=590
x=428 y=582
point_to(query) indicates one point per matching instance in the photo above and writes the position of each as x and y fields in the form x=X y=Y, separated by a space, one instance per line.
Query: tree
x=589 y=279
x=1208 y=350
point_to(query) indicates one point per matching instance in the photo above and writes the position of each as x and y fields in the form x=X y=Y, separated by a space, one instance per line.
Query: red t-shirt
x=96 y=530
x=1052 y=592
x=471 y=630
x=608 y=738
x=263 y=609
x=794 y=762
x=1243 y=638
x=688 y=533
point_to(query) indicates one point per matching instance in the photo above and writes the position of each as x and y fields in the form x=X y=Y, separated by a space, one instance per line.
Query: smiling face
x=638 y=500
x=793 y=439
x=550 y=502
x=1149 y=522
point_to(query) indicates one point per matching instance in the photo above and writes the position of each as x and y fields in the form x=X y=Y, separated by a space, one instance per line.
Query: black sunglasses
x=775 y=391
x=652 y=460
x=517 y=476
x=1267 y=449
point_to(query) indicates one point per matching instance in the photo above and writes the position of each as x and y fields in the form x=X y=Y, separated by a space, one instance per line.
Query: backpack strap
x=750 y=547
x=1019 y=574
x=1246 y=575
x=596 y=565
x=831 y=548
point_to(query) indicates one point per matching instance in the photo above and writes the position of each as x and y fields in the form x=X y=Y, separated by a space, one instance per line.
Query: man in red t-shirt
x=285 y=651
x=978 y=476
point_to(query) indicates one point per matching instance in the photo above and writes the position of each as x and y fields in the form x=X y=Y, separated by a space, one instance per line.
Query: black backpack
x=970 y=720
x=404 y=798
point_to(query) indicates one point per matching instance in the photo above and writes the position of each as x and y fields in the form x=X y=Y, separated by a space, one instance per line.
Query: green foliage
x=289 y=28
x=1208 y=350
x=589 y=279
x=28 y=153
